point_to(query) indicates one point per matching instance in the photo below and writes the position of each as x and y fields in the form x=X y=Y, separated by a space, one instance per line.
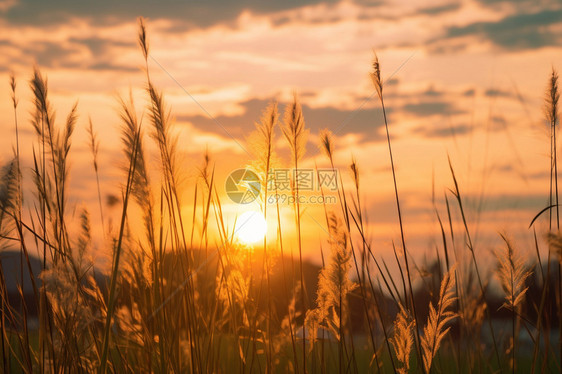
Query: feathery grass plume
x=233 y=294
x=15 y=102
x=44 y=114
x=552 y=98
x=43 y=119
x=512 y=273
x=74 y=299
x=136 y=269
x=43 y=186
x=167 y=144
x=9 y=193
x=57 y=145
x=94 y=143
x=294 y=129
x=204 y=170
x=403 y=339
x=63 y=147
x=435 y=329
x=61 y=161
x=85 y=236
x=334 y=284
x=288 y=323
x=160 y=118
x=327 y=143
x=473 y=313
x=13 y=90
x=8 y=186
x=555 y=242
x=206 y=173
x=129 y=132
x=236 y=285
x=143 y=41
x=376 y=76
x=261 y=141
x=354 y=173
x=129 y=324
x=133 y=314
x=140 y=188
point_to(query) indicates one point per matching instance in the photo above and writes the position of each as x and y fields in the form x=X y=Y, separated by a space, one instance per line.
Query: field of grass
x=168 y=304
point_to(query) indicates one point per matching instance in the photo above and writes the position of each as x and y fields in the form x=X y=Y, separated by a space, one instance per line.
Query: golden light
x=250 y=227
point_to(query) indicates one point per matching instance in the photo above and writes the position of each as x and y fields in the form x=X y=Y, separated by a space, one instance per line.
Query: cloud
x=109 y=66
x=515 y=32
x=509 y=202
x=519 y=3
x=364 y=121
x=433 y=131
x=432 y=92
x=437 y=10
x=98 y=46
x=370 y=3
x=343 y=121
x=72 y=53
x=51 y=54
x=431 y=108
x=189 y=13
x=493 y=92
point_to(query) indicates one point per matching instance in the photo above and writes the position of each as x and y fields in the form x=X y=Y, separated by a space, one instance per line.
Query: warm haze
x=464 y=86
x=463 y=78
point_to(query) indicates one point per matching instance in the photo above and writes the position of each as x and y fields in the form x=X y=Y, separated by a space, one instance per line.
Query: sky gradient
x=463 y=79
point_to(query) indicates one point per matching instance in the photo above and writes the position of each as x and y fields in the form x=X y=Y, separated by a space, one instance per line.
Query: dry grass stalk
x=376 y=76
x=512 y=273
x=436 y=328
x=354 y=173
x=327 y=143
x=403 y=339
x=294 y=129
x=334 y=285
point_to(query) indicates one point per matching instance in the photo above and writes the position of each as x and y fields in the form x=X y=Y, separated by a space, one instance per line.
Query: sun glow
x=251 y=227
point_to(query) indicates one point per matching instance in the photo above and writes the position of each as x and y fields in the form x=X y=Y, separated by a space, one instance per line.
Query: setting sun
x=250 y=227
x=280 y=186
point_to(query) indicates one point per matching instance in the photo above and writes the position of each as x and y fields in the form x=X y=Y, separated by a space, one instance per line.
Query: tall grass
x=551 y=110
x=263 y=142
x=188 y=296
x=378 y=83
x=296 y=135
x=435 y=330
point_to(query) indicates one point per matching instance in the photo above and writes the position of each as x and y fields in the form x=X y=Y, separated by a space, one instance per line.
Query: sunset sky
x=462 y=78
